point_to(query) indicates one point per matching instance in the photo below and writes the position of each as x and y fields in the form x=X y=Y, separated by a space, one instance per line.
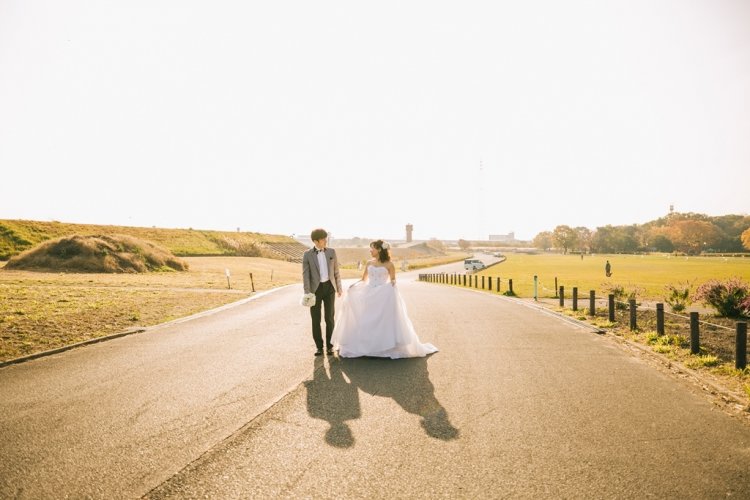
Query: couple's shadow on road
x=333 y=394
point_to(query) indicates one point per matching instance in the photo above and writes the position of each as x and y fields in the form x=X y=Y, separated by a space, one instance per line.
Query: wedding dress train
x=372 y=321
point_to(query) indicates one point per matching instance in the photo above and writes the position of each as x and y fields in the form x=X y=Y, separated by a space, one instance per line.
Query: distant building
x=507 y=238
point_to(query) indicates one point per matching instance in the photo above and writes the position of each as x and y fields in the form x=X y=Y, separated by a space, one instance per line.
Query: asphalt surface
x=517 y=403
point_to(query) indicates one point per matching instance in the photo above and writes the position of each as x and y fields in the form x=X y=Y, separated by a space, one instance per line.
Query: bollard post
x=740 y=360
x=611 y=304
x=575 y=298
x=536 y=282
x=476 y=281
x=252 y=283
x=464 y=279
x=592 y=303
x=562 y=296
x=660 y=318
x=631 y=303
x=482 y=282
x=498 y=284
x=489 y=283
x=510 y=286
x=555 y=286
x=695 y=344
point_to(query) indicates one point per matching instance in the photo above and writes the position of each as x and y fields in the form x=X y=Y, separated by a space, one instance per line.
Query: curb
x=57 y=350
x=132 y=331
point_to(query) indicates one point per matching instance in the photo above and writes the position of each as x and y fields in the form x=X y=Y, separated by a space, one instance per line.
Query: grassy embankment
x=19 y=235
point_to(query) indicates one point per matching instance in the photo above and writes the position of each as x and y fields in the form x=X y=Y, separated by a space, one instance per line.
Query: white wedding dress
x=372 y=321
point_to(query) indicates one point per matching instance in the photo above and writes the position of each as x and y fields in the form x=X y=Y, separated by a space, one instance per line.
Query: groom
x=320 y=275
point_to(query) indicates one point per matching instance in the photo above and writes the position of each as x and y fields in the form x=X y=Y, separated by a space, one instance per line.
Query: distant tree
x=662 y=243
x=543 y=240
x=603 y=239
x=583 y=238
x=694 y=236
x=628 y=238
x=617 y=239
x=745 y=237
x=658 y=238
x=564 y=237
x=732 y=227
x=463 y=244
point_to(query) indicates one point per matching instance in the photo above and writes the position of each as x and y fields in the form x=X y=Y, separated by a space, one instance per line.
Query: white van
x=473 y=264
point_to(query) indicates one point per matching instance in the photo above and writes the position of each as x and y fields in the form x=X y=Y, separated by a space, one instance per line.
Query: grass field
x=648 y=274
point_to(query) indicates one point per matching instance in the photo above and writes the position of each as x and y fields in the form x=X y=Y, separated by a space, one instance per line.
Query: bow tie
x=318 y=251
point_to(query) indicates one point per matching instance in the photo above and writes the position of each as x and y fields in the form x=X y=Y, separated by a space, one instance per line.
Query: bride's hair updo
x=382 y=248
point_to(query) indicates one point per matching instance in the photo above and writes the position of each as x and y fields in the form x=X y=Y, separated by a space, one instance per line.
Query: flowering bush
x=745 y=306
x=730 y=297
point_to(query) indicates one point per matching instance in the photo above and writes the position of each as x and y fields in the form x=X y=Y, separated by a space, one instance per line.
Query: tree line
x=688 y=233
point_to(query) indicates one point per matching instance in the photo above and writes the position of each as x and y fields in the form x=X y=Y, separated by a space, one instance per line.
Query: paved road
x=517 y=403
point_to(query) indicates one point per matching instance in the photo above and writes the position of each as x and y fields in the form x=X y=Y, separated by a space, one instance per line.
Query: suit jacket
x=311 y=271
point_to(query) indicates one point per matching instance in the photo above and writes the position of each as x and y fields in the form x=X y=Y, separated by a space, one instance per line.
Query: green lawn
x=649 y=273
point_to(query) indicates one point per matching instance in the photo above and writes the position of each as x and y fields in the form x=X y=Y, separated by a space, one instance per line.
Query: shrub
x=97 y=254
x=745 y=306
x=679 y=296
x=728 y=297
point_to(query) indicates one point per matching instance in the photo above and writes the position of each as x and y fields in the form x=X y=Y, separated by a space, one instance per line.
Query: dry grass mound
x=97 y=254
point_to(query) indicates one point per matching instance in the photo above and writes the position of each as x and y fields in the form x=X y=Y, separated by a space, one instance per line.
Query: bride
x=372 y=320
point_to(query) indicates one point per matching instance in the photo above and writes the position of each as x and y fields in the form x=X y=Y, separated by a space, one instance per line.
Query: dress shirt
x=323 y=265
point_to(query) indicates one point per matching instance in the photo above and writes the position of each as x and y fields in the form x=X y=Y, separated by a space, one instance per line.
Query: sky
x=464 y=119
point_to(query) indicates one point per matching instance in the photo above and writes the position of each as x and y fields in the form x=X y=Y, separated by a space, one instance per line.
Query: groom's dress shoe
x=319 y=352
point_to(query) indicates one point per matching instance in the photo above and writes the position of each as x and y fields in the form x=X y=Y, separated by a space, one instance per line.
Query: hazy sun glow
x=462 y=118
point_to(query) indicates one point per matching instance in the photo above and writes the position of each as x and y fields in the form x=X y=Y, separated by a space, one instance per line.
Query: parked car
x=473 y=264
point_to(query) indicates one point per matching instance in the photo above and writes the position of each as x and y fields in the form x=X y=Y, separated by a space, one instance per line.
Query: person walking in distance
x=608 y=269
x=320 y=275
